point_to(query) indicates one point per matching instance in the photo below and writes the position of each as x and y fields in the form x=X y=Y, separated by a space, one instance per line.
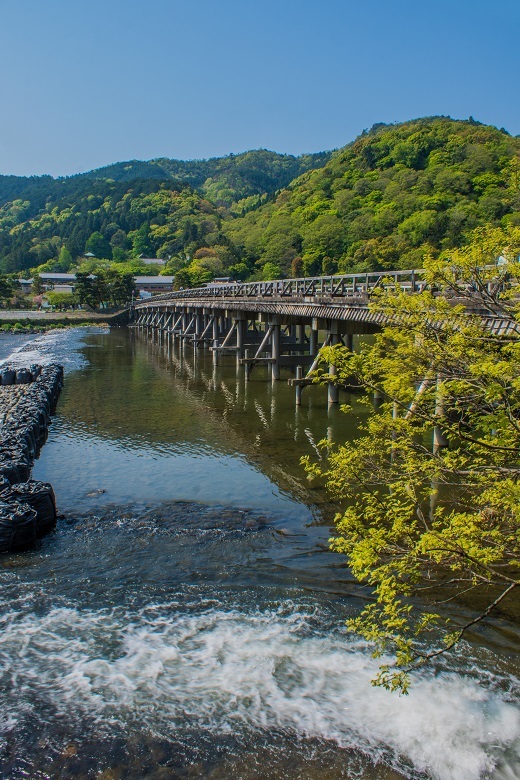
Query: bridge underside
x=285 y=322
x=355 y=316
x=276 y=334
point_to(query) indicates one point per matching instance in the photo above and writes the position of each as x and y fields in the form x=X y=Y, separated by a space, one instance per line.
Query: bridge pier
x=275 y=349
x=348 y=340
x=280 y=324
x=333 y=389
x=241 y=328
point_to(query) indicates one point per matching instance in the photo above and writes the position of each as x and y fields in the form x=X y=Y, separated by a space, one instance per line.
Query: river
x=186 y=619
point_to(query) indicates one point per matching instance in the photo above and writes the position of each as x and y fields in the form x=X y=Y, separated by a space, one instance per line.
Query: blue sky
x=84 y=83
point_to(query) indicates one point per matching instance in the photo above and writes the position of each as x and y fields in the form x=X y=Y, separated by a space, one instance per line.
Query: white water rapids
x=247 y=672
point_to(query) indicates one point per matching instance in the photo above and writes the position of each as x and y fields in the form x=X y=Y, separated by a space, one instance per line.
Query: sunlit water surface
x=186 y=619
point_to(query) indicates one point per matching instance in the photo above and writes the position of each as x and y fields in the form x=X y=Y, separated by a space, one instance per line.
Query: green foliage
x=182 y=280
x=37 y=286
x=6 y=288
x=424 y=525
x=40 y=214
x=223 y=180
x=61 y=300
x=271 y=271
x=107 y=287
x=64 y=259
x=383 y=201
x=141 y=243
x=107 y=218
x=396 y=193
x=99 y=246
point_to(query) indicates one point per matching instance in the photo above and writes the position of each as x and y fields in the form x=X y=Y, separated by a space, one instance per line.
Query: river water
x=186 y=619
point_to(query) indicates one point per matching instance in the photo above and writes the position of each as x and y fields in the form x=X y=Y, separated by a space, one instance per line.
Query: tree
x=427 y=521
x=120 y=240
x=107 y=286
x=238 y=272
x=37 y=286
x=64 y=259
x=118 y=255
x=86 y=289
x=99 y=246
x=120 y=287
x=61 y=300
x=271 y=271
x=6 y=288
x=297 y=267
x=182 y=279
x=141 y=244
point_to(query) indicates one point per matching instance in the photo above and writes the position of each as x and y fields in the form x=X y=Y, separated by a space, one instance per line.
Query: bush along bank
x=28 y=398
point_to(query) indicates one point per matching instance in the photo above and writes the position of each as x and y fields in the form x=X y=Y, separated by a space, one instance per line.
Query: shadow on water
x=186 y=618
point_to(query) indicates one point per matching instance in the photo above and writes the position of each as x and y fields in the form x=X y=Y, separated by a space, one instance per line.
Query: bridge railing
x=338 y=286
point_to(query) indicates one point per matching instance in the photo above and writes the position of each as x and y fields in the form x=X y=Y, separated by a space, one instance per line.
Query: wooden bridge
x=281 y=323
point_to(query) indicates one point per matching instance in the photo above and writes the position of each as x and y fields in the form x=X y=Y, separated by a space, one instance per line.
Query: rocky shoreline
x=28 y=398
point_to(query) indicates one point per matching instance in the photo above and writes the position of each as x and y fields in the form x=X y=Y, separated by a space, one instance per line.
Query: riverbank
x=30 y=321
x=28 y=398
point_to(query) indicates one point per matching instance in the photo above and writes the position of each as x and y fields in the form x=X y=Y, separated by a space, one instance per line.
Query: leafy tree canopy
x=107 y=287
x=432 y=483
x=396 y=193
x=98 y=245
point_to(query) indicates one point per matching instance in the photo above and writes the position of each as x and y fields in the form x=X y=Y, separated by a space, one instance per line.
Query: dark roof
x=154 y=279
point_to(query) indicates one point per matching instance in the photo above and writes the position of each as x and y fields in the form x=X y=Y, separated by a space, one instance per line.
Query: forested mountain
x=384 y=200
x=224 y=180
x=113 y=220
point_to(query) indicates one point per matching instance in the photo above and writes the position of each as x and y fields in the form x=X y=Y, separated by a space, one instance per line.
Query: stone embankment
x=28 y=398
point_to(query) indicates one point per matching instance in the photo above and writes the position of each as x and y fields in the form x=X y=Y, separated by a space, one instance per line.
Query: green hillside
x=114 y=220
x=383 y=201
x=224 y=180
x=395 y=193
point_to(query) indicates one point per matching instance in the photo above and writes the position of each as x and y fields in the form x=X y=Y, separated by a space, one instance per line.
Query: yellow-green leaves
x=424 y=525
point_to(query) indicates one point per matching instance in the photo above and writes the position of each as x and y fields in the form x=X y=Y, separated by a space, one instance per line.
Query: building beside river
x=62 y=282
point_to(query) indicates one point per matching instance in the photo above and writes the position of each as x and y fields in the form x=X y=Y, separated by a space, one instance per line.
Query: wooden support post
x=199 y=328
x=229 y=333
x=241 y=326
x=188 y=327
x=348 y=340
x=299 y=373
x=439 y=439
x=333 y=389
x=263 y=343
x=208 y=324
x=215 y=340
x=176 y=324
x=300 y=334
x=247 y=365
x=275 y=351
x=313 y=343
